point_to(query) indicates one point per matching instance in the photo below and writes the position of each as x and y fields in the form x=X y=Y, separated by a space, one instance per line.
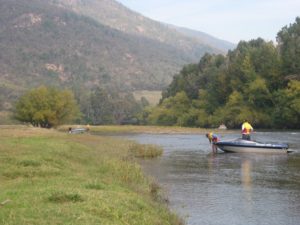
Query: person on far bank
x=213 y=138
x=246 y=130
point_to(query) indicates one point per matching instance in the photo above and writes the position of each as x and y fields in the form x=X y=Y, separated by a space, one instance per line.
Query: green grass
x=49 y=177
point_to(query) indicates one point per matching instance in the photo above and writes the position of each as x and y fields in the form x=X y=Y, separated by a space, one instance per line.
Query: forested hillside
x=83 y=45
x=258 y=81
x=115 y=15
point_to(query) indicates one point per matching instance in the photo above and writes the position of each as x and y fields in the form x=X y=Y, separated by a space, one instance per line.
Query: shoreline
x=93 y=177
x=135 y=129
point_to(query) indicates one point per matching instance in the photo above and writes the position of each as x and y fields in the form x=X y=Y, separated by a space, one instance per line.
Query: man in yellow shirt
x=246 y=130
x=213 y=138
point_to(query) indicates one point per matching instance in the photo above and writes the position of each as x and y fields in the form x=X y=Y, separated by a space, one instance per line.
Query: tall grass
x=49 y=177
x=145 y=150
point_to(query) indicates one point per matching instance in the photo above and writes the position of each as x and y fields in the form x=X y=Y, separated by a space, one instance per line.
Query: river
x=227 y=188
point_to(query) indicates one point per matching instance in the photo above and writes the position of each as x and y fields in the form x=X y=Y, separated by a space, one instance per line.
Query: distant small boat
x=77 y=130
x=245 y=146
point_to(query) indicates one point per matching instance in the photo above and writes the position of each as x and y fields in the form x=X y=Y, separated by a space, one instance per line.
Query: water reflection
x=247 y=183
x=246 y=175
x=211 y=162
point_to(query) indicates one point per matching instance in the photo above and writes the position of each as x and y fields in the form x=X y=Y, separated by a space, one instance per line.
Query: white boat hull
x=252 y=150
x=245 y=146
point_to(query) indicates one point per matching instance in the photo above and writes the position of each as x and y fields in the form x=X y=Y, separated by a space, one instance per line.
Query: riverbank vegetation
x=50 y=177
x=257 y=81
x=145 y=150
x=132 y=129
x=49 y=107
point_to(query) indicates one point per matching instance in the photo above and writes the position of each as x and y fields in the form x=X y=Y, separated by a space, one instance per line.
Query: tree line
x=50 y=107
x=258 y=81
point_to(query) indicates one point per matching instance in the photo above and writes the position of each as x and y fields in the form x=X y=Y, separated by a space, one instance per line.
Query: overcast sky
x=231 y=20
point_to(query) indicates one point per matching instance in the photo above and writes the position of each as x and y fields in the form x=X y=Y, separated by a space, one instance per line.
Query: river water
x=227 y=188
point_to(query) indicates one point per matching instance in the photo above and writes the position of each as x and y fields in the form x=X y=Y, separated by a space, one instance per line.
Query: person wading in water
x=213 y=138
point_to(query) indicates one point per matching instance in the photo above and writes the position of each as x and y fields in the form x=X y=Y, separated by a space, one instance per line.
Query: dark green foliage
x=250 y=83
x=171 y=111
x=289 y=46
x=287 y=106
x=102 y=107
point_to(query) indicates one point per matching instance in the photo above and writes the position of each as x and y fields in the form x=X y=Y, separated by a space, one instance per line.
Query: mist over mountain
x=206 y=38
x=80 y=44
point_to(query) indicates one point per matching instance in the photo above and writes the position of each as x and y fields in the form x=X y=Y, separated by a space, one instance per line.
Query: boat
x=77 y=130
x=248 y=146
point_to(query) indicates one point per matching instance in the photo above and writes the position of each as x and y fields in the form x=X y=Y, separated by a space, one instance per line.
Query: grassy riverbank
x=49 y=177
x=111 y=129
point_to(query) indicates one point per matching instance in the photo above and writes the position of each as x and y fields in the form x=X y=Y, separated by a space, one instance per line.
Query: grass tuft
x=95 y=186
x=157 y=194
x=29 y=162
x=145 y=151
x=61 y=197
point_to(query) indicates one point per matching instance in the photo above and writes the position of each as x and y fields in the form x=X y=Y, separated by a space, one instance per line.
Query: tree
x=126 y=108
x=258 y=94
x=101 y=107
x=289 y=45
x=187 y=80
x=172 y=111
x=250 y=82
x=287 y=111
x=47 y=107
x=231 y=113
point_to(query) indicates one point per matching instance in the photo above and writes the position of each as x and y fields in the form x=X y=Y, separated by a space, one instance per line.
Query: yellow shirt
x=212 y=137
x=246 y=128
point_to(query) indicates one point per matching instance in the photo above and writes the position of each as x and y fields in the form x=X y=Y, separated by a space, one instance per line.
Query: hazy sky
x=231 y=20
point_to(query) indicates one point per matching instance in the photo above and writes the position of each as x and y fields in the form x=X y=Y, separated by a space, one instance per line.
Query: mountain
x=206 y=38
x=117 y=16
x=80 y=44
